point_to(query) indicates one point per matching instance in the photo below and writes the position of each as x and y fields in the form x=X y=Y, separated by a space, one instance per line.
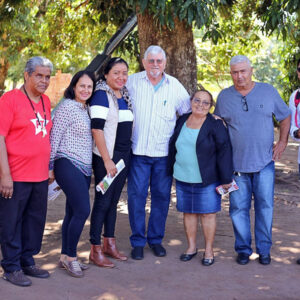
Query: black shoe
x=187 y=257
x=158 y=250
x=137 y=253
x=17 y=278
x=207 y=261
x=34 y=271
x=264 y=259
x=298 y=261
x=242 y=258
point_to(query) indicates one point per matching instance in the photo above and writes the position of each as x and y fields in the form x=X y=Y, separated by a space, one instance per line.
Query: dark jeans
x=145 y=170
x=22 y=224
x=76 y=187
x=104 y=211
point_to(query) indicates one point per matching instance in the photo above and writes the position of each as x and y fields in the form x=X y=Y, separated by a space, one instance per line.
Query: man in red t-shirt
x=25 y=124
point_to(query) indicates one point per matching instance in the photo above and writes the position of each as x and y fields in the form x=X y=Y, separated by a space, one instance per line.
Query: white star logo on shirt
x=40 y=126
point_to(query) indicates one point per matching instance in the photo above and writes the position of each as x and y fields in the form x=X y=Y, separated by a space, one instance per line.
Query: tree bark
x=4 y=65
x=178 y=44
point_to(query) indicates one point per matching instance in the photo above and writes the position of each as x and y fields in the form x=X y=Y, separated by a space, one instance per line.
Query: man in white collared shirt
x=157 y=98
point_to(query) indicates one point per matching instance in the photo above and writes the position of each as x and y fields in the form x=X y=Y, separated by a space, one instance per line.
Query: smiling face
x=154 y=65
x=83 y=89
x=298 y=71
x=201 y=104
x=38 y=81
x=241 y=74
x=117 y=76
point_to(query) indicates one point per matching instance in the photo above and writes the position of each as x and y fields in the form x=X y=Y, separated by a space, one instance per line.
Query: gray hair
x=154 y=49
x=239 y=59
x=37 y=61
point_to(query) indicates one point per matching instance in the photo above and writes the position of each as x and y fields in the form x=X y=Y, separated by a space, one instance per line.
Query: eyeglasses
x=298 y=69
x=245 y=104
x=199 y=102
x=152 y=61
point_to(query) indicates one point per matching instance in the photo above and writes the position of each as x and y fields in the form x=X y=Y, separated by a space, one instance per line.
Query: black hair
x=212 y=102
x=111 y=63
x=69 y=92
x=298 y=63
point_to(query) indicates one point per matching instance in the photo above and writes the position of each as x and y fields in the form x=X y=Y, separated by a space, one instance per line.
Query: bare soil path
x=169 y=278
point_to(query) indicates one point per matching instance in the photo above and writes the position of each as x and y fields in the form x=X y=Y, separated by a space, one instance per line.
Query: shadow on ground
x=169 y=278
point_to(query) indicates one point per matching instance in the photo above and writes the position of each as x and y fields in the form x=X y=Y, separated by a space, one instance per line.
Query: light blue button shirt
x=186 y=167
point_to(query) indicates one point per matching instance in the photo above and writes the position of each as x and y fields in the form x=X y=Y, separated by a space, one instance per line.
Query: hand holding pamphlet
x=105 y=183
x=53 y=191
x=233 y=187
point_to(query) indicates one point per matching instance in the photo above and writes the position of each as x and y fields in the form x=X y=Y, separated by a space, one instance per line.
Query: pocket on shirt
x=166 y=112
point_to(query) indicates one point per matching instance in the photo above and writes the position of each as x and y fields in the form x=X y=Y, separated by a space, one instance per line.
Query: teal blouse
x=186 y=167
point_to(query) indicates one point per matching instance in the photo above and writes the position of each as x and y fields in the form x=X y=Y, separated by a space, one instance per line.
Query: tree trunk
x=178 y=44
x=4 y=65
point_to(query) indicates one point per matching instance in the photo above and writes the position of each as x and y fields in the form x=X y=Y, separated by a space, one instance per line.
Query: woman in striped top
x=112 y=121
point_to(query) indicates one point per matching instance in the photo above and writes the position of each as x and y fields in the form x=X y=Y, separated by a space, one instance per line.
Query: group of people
x=149 y=121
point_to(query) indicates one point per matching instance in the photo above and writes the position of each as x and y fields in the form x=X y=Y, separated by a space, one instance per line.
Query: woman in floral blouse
x=71 y=164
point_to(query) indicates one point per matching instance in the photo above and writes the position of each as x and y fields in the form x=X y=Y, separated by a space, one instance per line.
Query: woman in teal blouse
x=200 y=159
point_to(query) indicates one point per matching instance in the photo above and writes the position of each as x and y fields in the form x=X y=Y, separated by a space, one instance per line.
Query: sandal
x=207 y=261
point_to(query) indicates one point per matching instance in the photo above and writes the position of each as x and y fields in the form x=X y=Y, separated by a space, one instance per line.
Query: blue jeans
x=261 y=185
x=143 y=171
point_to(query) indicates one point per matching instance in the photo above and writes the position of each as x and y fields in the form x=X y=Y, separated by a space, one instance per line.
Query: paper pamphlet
x=53 y=191
x=104 y=184
x=233 y=187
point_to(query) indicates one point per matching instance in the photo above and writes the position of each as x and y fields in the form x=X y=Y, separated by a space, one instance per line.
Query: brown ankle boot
x=110 y=248
x=98 y=258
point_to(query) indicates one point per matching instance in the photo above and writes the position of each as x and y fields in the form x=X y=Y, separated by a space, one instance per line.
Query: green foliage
x=242 y=32
x=67 y=32
x=238 y=34
x=72 y=32
x=282 y=18
x=8 y=9
x=17 y=30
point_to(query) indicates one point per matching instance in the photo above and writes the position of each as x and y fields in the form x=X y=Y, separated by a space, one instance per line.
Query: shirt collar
x=165 y=75
x=78 y=104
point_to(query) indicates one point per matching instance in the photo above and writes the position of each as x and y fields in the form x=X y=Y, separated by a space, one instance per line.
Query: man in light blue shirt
x=248 y=108
x=156 y=98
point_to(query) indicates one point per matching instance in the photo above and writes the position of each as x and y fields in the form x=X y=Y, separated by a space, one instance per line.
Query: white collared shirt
x=155 y=112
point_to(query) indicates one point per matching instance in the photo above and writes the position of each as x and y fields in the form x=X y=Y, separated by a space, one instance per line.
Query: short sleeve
x=281 y=110
x=6 y=114
x=99 y=107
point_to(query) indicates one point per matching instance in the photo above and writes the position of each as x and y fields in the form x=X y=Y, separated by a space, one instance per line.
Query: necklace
x=30 y=101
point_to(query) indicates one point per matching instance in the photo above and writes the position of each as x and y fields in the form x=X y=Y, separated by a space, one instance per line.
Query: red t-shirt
x=27 y=142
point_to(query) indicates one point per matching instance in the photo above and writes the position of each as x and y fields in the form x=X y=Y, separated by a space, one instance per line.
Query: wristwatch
x=295 y=133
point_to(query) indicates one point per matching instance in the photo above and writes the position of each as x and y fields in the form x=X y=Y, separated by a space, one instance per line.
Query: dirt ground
x=168 y=277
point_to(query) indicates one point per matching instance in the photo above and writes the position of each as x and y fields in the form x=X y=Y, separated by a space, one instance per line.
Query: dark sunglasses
x=245 y=104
